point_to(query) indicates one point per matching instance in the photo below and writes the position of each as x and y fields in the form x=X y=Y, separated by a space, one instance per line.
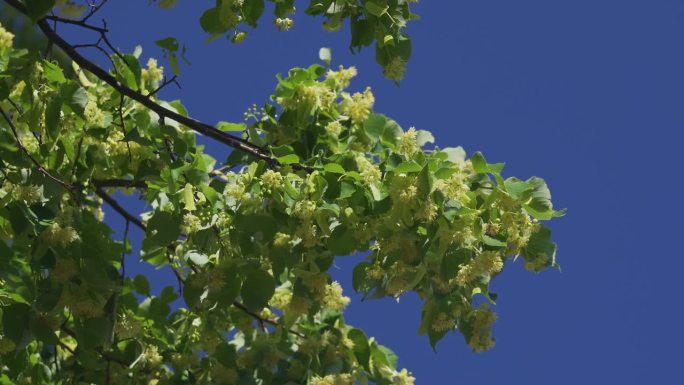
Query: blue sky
x=586 y=94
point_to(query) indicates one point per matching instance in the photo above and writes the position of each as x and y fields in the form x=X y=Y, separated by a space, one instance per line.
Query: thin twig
x=165 y=83
x=23 y=149
x=93 y=11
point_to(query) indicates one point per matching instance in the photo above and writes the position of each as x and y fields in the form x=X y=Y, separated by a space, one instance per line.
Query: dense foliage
x=315 y=174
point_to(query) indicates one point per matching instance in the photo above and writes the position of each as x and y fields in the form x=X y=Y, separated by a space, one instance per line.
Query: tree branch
x=200 y=127
x=23 y=149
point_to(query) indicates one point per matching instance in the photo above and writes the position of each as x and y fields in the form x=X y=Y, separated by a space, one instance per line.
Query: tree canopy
x=314 y=173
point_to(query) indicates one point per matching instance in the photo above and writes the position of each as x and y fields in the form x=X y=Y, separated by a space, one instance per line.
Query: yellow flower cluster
x=333 y=128
x=536 y=263
x=358 y=106
x=403 y=190
x=332 y=379
x=6 y=38
x=408 y=144
x=519 y=227
x=485 y=263
x=151 y=356
x=281 y=298
x=283 y=24
x=403 y=377
x=443 y=322
x=341 y=77
x=271 y=180
x=454 y=188
x=127 y=327
x=304 y=209
x=223 y=375
x=371 y=173
x=281 y=239
x=93 y=115
x=395 y=69
x=58 y=235
x=29 y=194
x=333 y=298
x=482 y=321
x=153 y=73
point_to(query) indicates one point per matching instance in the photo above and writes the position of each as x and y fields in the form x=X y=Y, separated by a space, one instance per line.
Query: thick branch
x=200 y=127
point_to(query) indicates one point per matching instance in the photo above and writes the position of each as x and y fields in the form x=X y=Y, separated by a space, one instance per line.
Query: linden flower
x=93 y=115
x=304 y=209
x=56 y=235
x=281 y=239
x=442 y=323
x=454 y=188
x=333 y=128
x=127 y=327
x=239 y=37
x=371 y=173
x=482 y=320
x=151 y=356
x=333 y=298
x=486 y=263
x=153 y=74
x=29 y=194
x=6 y=38
x=403 y=377
x=191 y=223
x=342 y=77
x=408 y=142
x=281 y=298
x=270 y=180
x=283 y=24
x=358 y=106
x=395 y=69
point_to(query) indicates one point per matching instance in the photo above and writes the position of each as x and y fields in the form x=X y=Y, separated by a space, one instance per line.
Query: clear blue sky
x=588 y=94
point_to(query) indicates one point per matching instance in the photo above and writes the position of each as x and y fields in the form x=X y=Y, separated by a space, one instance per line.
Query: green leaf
x=189 y=197
x=376 y=8
x=170 y=44
x=408 y=167
x=374 y=126
x=334 y=168
x=541 y=195
x=341 y=242
x=252 y=10
x=15 y=321
x=227 y=126
x=479 y=163
x=53 y=73
x=52 y=116
x=211 y=22
x=257 y=289
x=37 y=9
x=141 y=285
x=163 y=228
x=361 y=347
